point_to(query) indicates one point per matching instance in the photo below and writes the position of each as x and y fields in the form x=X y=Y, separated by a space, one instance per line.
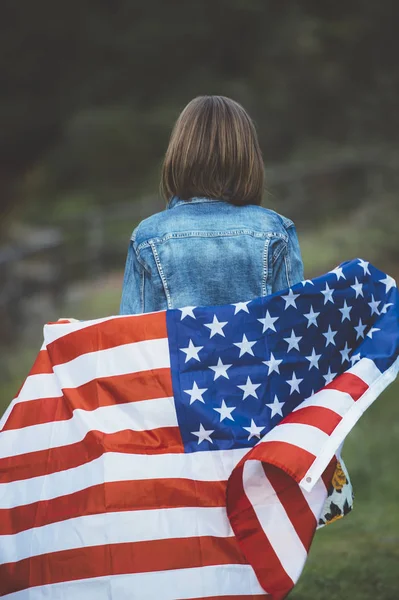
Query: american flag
x=187 y=454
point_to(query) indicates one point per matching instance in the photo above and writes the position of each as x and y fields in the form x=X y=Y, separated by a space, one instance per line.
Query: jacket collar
x=176 y=201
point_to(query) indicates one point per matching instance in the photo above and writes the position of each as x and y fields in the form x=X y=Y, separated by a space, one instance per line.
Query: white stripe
x=335 y=400
x=42 y=385
x=137 y=416
x=112 y=466
x=116 y=528
x=316 y=498
x=120 y=360
x=304 y=436
x=366 y=369
x=200 y=582
x=274 y=520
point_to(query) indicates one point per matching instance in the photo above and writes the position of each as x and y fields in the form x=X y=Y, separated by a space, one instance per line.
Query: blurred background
x=89 y=92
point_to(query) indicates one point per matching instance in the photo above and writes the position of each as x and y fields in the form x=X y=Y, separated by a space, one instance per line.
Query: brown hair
x=214 y=152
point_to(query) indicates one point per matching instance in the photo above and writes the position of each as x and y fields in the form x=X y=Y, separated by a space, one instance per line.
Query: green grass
x=356 y=558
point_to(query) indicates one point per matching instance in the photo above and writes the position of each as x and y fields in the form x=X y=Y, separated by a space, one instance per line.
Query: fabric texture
x=207 y=252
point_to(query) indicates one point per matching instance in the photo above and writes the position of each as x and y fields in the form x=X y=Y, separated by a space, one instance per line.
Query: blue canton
x=237 y=370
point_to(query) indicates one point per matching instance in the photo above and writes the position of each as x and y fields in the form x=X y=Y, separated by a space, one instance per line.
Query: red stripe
x=253 y=542
x=115 y=496
x=107 y=391
x=290 y=458
x=108 y=334
x=246 y=597
x=291 y=497
x=42 y=364
x=350 y=384
x=118 y=559
x=323 y=418
x=329 y=472
x=165 y=440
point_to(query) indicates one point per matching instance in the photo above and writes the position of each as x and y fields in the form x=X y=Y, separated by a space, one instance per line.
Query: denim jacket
x=208 y=252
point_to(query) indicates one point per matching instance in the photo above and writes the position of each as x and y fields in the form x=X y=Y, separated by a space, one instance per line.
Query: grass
x=353 y=559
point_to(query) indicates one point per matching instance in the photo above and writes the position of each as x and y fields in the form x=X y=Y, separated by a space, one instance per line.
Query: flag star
x=360 y=330
x=358 y=287
x=313 y=359
x=338 y=272
x=330 y=335
x=220 y=370
x=276 y=407
x=328 y=294
x=192 y=351
x=355 y=358
x=345 y=353
x=293 y=341
x=245 y=346
x=241 y=306
x=290 y=299
x=389 y=283
x=196 y=393
x=187 y=311
x=273 y=364
x=268 y=322
x=312 y=317
x=216 y=326
x=365 y=266
x=372 y=330
x=385 y=307
x=329 y=376
x=307 y=281
x=254 y=430
x=345 y=310
x=225 y=411
x=203 y=434
x=294 y=383
x=249 y=389
x=374 y=305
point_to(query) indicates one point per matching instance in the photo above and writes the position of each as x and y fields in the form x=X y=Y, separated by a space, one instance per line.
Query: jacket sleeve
x=133 y=284
x=290 y=270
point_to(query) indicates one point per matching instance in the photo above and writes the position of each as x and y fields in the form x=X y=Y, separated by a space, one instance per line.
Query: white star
x=245 y=346
x=389 y=283
x=355 y=358
x=276 y=407
x=268 y=322
x=372 y=330
x=330 y=335
x=203 y=434
x=360 y=330
x=220 y=370
x=249 y=389
x=254 y=430
x=313 y=359
x=358 y=287
x=338 y=272
x=196 y=393
x=294 y=383
x=327 y=293
x=241 y=306
x=293 y=341
x=305 y=281
x=365 y=266
x=345 y=353
x=290 y=299
x=273 y=364
x=329 y=376
x=187 y=311
x=312 y=317
x=191 y=351
x=225 y=411
x=345 y=310
x=216 y=326
x=385 y=307
x=374 y=305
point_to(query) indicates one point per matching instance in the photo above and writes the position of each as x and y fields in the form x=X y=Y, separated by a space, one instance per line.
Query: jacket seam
x=210 y=234
x=265 y=267
x=161 y=274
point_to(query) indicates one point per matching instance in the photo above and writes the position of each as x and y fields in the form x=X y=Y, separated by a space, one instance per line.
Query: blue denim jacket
x=208 y=252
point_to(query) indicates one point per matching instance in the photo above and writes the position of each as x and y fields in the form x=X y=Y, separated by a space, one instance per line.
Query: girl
x=214 y=243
